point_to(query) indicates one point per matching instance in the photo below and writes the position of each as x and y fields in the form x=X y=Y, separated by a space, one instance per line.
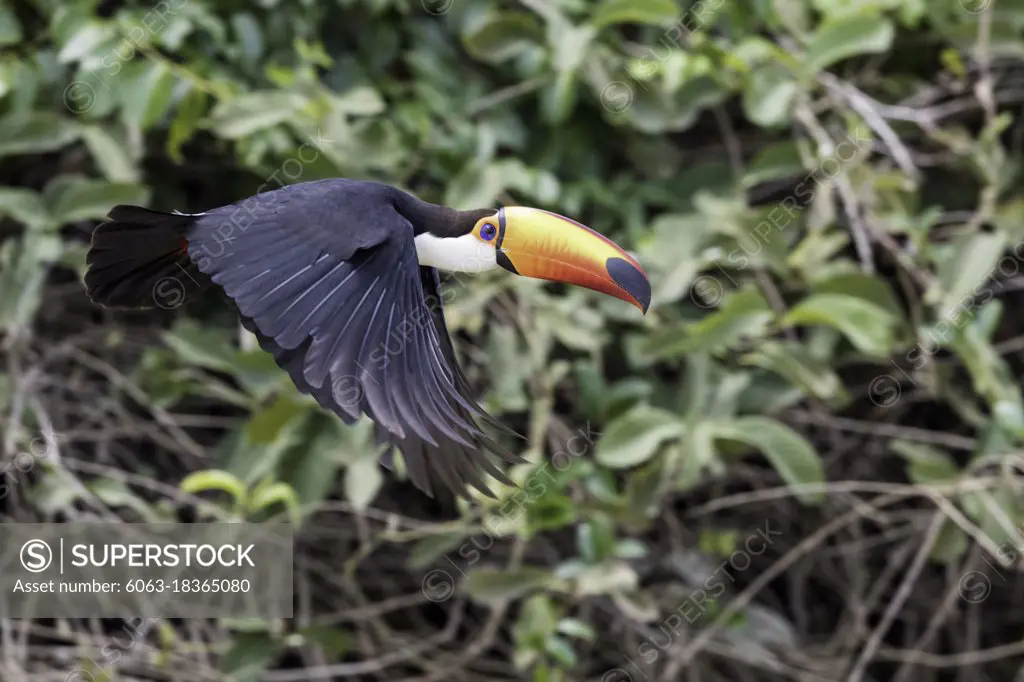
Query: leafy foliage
x=826 y=196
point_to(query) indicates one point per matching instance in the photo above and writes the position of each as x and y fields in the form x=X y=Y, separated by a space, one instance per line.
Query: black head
x=440 y=221
x=453 y=223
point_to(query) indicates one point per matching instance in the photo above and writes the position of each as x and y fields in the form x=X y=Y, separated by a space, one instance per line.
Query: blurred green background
x=826 y=195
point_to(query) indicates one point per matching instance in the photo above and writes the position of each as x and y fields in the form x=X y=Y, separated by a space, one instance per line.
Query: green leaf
x=110 y=154
x=10 y=28
x=268 y=437
x=214 y=479
x=635 y=436
x=576 y=628
x=311 y=469
x=969 y=261
x=115 y=493
x=560 y=650
x=875 y=290
x=645 y=488
x=986 y=319
x=774 y=162
x=610 y=577
x=868 y=327
x=768 y=96
x=267 y=425
x=991 y=374
x=475 y=185
x=794 y=363
x=254 y=111
x=74 y=199
x=480 y=184
x=498 y=36
x=1009 y=416
x=358 y=101
x=363 y=480
x=950 y=545
x=22 y=274
x=195 y=345
x=571 y=46
x=718 y=543
x=431 y=548
x=537 y=620
x=511 y=369
x=550 y=511
x=147 y=94
x=85 y=41
x=494 y=586
x=249 y=656
x=743 y=315
x=926 y=464
x=334 y=642
x=656 y=113
x=247 y=28
x=264 y=497
x=36 y=132
x=10 y=72
x=53 y=494
x=840 y=39
x=25 y=206
x=186 y=121
x=596 y=539
x=559 y=98
x=792 y=14
x=653 y=12
x=795 y=460
x=997 y=512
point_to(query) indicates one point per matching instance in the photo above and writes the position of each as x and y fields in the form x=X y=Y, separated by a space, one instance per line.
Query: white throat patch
x=456 y=254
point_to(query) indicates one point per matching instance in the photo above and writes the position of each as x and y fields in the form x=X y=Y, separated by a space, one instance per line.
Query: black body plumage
x=325 y=275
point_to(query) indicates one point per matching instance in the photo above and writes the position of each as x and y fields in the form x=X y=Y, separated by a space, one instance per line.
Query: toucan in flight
x=338 y=279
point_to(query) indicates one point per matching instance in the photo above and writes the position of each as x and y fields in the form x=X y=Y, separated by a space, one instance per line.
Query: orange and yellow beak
x=544 y=245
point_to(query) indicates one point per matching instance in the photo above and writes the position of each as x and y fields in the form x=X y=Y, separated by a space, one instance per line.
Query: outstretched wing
x=328 y=281
x=452 y=464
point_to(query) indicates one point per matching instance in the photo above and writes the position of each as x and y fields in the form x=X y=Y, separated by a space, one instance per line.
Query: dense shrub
x=803 y=462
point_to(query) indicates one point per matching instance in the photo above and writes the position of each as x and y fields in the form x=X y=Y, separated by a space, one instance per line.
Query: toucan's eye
x=487 y=232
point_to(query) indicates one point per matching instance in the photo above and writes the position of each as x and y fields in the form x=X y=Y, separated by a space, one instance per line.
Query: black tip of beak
x=634 y=282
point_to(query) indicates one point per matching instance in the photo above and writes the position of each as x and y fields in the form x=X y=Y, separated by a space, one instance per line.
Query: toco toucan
x=338 y=279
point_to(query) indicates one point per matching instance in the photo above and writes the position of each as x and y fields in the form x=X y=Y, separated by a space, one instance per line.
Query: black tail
x=139 y=259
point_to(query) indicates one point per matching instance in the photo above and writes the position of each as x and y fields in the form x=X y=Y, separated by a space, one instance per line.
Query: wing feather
x=335 y=300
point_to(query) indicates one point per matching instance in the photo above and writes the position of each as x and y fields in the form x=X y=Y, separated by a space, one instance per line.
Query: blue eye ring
x=487 y=232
